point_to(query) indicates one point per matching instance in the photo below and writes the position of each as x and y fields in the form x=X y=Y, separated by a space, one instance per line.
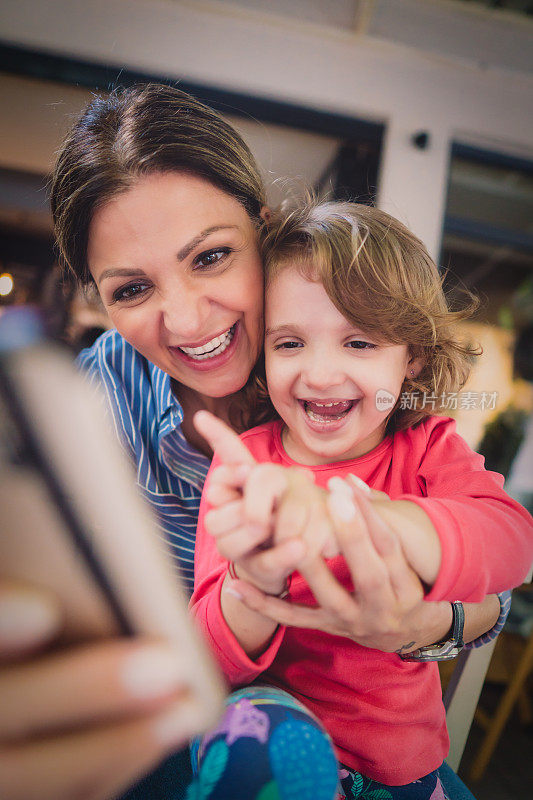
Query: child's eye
x=211 y=258
x=290 y=345
x=130 y=292
x=360 y=344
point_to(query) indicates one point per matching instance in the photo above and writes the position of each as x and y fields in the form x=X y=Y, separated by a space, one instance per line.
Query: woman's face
x=177 y=266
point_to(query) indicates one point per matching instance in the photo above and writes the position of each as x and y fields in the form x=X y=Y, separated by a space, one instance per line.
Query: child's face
x=332 y=385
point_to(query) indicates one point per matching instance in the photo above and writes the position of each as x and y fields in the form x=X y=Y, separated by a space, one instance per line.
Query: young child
x=357 y=330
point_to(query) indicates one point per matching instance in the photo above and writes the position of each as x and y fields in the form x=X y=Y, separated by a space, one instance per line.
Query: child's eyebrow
x=281 y=329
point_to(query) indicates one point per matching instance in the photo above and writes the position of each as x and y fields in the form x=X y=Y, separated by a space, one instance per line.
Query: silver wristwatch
x=448 y=649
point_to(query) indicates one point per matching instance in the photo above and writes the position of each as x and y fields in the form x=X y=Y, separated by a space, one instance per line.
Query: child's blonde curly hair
x=381 y=278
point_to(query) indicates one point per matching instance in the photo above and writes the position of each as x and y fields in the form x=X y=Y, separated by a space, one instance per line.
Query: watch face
x=443 y=651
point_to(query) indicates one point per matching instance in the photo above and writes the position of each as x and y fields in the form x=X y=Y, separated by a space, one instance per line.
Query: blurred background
x=421 y=106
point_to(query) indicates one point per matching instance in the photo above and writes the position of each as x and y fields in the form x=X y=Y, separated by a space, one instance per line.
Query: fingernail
x=341 y=506
x=242 y=471
x=337 y=484
x=330 y=550
x=177 y=724
x=360 y=483
x=230 y=589
x=26 y=619
x=151 y=672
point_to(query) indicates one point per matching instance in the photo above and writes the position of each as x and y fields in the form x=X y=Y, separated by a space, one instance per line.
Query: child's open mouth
x=327 y=411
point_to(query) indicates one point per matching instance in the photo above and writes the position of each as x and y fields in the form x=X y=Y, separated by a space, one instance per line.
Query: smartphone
x=74 y=523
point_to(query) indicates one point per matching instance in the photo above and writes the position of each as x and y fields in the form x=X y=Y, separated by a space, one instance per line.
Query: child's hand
x=240 y=540
x=251 y=520
x=257 y=505
x=268 y=504
x=287 y=501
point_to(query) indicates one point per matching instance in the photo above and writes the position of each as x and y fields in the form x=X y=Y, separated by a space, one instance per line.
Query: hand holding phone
x=74 y=526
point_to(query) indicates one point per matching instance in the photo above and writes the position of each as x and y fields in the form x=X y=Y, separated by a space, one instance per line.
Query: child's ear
x=414 y=367
x=265 y=214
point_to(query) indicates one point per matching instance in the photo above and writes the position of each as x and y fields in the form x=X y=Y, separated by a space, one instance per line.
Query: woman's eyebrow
x=181 y=255
x=187 y=249
x=120 y=272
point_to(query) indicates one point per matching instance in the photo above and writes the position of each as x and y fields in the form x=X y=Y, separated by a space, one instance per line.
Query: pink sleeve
x=486 y=537
x=209 y=573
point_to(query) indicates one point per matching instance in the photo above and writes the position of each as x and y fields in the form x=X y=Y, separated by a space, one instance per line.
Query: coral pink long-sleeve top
x=384 y=715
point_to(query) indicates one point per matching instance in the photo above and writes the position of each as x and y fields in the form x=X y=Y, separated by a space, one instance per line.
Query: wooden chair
x=516 y=663
x=462 y=695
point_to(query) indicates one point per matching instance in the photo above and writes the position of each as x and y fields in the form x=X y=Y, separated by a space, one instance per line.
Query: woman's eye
x=360 y=344
x=130 y=292
x=211 y=257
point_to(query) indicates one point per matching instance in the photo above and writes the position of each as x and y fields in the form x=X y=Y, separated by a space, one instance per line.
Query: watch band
x=447 y=649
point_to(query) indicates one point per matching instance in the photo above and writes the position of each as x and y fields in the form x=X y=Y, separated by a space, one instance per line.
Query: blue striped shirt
x=147 y=419
x=505 y=607
x=171 y=473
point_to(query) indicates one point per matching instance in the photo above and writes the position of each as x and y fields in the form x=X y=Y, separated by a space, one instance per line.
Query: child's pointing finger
x=222 y=439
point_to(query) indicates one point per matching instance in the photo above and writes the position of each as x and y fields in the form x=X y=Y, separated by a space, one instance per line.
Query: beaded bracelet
x=281 y=596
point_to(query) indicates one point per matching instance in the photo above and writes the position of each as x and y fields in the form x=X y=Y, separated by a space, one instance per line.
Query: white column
x=413 y=181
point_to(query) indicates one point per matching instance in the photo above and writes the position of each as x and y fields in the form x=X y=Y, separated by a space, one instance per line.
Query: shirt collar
x=169 y=413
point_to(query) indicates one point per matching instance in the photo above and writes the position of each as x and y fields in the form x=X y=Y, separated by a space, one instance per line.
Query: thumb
x=222 y=439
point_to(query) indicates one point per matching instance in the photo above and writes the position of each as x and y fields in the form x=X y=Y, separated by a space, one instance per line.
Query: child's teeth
x=335 y=410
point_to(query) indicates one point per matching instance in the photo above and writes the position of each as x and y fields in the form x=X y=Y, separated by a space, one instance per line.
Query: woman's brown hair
x=381 y=278
x=134 y=132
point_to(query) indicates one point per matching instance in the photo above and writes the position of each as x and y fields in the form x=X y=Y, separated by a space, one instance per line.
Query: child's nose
x=322 y=374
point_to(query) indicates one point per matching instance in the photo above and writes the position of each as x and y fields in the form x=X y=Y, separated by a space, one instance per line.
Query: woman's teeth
x=212 y=348
x=327 y=412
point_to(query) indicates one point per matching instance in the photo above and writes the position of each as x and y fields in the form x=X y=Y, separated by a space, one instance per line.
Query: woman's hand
x=84 y=722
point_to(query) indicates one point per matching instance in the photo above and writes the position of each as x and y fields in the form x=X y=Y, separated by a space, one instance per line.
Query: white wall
x=221 y=45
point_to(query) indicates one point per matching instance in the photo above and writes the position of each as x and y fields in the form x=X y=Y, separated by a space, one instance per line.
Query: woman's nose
x=185 y=314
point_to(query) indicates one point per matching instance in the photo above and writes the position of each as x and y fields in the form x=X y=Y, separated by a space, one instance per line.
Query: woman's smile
x=211 y=347
x=213 y=354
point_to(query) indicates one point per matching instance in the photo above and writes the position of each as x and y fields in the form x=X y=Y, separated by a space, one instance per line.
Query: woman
x=157 y=201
